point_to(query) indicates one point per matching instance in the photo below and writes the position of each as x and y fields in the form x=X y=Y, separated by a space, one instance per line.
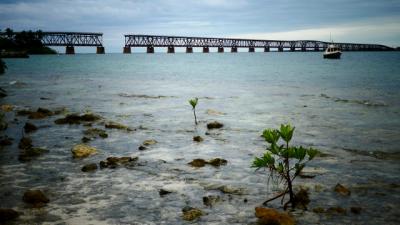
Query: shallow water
x=348 y=108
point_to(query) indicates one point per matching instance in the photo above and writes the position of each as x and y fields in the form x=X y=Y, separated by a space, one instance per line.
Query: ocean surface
x=347 y=108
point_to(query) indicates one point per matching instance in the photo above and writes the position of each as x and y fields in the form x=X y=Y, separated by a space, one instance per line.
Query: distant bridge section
x=151 y=41
x=67 y=39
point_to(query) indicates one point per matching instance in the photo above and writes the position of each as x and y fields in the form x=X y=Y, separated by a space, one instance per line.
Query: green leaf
x=269 y=159
x=299 y=167
x=193 y=102
x=286 y=132
x=300 y=153
x=279 y=168
x=311 y=152
x=271 y=136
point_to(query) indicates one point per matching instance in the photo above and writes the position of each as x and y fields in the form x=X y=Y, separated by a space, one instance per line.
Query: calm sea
x=348 y=108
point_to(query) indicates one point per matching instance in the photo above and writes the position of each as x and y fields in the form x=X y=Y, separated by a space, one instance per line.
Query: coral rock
x=214 y=125
x=269 y=216
x=190 y=213
x=7 y=215
x=89 y=167
x=82 y=150
x=342 y=190
x=35 y=197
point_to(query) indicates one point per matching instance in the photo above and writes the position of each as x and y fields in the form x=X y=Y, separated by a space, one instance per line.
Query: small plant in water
x=193 y=103
x=283 y=161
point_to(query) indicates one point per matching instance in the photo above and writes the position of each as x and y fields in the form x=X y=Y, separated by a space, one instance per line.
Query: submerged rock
x=28 y=154
x=212 y=112
x=78 y=119
x=7 y=108
x=115 y=125
x=197 y=139
x=114 y=162
x=142 y=148
x=268 y=216
x=214 y=125
x=342 y=190
x=95 y=132
x=355 y=210
x=149 y=142
x=198 y=163
x=301 y=199
x=231 y=190
x=25 y=143
x=336 y=210
x=3 y=93
x=217 y=162
x=89 y=167
x=319 y=210
x=35 y=197
x=82 y=150
x=163 y=192
x=29 y=127
x=190 y=213
x=5 y=141
x=40 y=113
x=7 y=215
x=211 y=200
x=213 y=162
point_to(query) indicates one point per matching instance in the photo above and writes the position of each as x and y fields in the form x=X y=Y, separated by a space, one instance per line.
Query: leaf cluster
x=193 y=102
x=279 y=154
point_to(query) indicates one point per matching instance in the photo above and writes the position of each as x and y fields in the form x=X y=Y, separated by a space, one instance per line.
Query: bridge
x=67 y=39
x=151 y=41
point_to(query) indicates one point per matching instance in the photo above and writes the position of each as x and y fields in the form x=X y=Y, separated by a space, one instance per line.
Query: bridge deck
x=182 y=41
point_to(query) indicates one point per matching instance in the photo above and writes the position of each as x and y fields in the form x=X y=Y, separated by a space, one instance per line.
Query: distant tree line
x=26 y=41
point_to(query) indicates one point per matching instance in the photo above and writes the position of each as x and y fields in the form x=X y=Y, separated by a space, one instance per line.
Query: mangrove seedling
x=193 y=103
x=283 y=161
x=3 y=66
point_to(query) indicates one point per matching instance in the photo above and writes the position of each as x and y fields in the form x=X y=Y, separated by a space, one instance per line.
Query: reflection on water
x=348 y=108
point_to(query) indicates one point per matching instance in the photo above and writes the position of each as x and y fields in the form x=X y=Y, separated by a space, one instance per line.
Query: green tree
x=283 y=161
x=193 y=103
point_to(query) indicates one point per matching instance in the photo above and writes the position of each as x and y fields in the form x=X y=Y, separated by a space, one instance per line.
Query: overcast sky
x=365 y=21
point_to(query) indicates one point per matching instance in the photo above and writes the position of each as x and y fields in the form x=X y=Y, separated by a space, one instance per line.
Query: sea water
x=347 y=108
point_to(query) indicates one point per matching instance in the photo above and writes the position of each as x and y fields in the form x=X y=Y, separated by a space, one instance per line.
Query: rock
x=29 y=127
x=3 y=93
x=355 y=210
x=217 y=162
x=24 y=112
x=301 y=199
x=197 y=138
x=270 y=216
x=212 y=112
x=214 y=125
x=5 y=141
x=163 y=192
x=336 y=209
x=35 y=197
x=149 y=142
x=40 y=113
x=25 y=143
x=28 y=154
x=82 y=150
x=231 y=190
x=94 y=132
x=198 y=163
x=7 y=108
x=211 y=200
x=319 y=210
x=115 y=125
x=142 y=148
x=214 y=162
x=114 y=162
x=342 y=190
x=89 y=167
x=3 y=123
x=7 y=215
x=190 y=213
x=78 y=119
x=86 y=139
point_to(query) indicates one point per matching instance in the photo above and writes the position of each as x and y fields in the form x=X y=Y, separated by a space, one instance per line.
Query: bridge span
x=152 y=41
x=67 y=39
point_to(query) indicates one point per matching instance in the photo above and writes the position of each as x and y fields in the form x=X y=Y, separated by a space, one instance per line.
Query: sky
x=359 y=21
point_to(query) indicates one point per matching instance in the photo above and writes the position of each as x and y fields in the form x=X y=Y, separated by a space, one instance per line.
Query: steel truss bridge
x=69 y=40
x=151 y=41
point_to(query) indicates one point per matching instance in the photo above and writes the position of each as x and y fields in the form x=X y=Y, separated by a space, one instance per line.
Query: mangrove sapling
x=283 y=161
x=193 y=103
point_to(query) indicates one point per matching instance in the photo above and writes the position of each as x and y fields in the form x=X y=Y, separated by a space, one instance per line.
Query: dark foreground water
x=348 y=108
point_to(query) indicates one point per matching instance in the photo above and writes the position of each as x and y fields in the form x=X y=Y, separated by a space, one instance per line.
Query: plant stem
x=289 y=181
x=195 y=118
